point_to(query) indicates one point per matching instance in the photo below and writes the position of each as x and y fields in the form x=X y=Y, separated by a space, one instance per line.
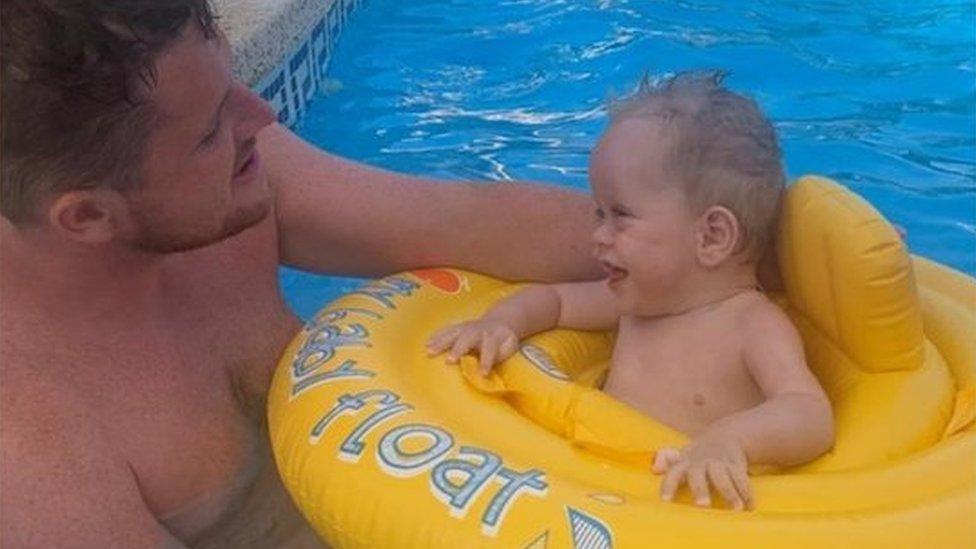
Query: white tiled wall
x=291 y=85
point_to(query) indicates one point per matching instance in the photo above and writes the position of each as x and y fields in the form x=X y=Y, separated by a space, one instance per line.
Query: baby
x=687 y=182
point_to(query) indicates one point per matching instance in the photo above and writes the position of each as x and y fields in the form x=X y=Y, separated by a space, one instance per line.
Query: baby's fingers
x=718 y=475
x=740 y=477
x=465 y=341
x=698 y=483
x=664 y=459
x=508 y=347
x=673 y=480
x=442 y=339
x=487 y=351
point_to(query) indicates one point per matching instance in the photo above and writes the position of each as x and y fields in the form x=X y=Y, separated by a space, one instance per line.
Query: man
x=147 y=202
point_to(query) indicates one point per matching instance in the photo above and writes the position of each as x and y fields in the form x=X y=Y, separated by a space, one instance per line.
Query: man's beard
x=153 y=238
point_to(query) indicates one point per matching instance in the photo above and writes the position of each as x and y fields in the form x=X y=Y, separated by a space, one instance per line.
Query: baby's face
x=645 y=235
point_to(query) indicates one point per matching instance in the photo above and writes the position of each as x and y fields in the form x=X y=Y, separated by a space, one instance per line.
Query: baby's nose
x=601 y=235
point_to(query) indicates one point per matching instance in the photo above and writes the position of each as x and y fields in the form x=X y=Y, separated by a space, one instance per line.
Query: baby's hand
x=708 y=460
x=494 y=340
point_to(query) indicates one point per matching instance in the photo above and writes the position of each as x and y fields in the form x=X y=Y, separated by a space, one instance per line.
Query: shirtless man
x=141 y=313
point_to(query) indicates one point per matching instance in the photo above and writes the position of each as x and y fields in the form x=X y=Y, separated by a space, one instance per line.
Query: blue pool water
x=880 y=95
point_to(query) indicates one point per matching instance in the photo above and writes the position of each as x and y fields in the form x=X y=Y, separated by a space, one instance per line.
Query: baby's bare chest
x=686 y=378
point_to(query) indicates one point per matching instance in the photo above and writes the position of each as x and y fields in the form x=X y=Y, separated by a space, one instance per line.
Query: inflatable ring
x=382 y=446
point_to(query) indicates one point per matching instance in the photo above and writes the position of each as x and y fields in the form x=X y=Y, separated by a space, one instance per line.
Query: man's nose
x=256 y=113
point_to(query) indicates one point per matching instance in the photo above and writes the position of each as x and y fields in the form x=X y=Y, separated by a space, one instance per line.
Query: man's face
x=203 y=180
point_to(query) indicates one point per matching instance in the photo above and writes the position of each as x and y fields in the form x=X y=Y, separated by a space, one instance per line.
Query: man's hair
x=721 y=149
x=74 y=81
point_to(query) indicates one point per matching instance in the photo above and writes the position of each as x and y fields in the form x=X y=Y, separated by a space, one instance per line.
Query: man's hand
x=710 y=460
x=495 y=341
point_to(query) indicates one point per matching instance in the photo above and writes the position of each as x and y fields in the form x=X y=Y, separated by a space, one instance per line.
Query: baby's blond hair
x=723 y=149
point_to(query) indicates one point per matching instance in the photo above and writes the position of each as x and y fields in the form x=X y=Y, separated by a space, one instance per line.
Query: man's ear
x=88 y=216
x=718 y=236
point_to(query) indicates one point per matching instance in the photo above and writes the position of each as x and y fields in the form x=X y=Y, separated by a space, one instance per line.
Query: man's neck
x=79 y=282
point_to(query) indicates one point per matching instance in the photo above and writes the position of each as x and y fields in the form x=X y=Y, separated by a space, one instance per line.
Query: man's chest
x=174 y=387
x=182 y=395
x=191 y=434
x=225 y=308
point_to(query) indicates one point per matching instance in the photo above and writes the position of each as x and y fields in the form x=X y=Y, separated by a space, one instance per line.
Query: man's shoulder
x=41 y=411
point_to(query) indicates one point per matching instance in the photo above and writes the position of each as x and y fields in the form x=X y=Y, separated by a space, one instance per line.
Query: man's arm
x=341 y=217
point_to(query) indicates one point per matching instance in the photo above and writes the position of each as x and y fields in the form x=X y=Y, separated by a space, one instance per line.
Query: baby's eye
x=617 y=211
x=599 y=214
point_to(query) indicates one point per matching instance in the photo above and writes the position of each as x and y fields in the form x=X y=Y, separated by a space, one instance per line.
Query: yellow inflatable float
x=381 y=446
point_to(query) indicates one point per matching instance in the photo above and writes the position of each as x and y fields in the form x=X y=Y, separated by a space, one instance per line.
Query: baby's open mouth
x=614 y=273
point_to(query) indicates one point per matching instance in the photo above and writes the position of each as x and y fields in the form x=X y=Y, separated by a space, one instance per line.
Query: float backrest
x=848 y=273
x=850 y=291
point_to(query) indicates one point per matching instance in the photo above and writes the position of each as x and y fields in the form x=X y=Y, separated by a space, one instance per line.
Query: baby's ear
x=718 y=236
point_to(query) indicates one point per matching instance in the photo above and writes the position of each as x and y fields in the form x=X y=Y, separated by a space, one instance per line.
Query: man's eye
x=212 y=136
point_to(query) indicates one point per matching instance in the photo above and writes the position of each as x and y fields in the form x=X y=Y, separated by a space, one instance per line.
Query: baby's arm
x=534 y=309
x=793 y=425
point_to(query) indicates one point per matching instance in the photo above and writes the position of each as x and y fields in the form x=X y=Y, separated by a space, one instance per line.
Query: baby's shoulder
x=760 y=319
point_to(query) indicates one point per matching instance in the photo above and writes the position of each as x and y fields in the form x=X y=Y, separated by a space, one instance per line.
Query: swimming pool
x=880 y=95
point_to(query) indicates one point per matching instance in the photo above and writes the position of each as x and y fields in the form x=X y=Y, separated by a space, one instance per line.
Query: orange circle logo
x=444 y=280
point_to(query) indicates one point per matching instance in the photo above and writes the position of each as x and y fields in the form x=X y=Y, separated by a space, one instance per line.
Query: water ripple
x=522 y=115
x=878 y=94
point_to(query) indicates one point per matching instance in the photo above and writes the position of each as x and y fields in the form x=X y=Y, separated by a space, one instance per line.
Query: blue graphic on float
x=458 y=496
x=349 y=404
x=346 y=370
x=321 y=344
x=457 y=482
x=352 y=447
x=397 y=462
x=324 y=336
x=541 y=360
x=532 y=480
x=329 y=316
x=588 y=532
x=383 y=291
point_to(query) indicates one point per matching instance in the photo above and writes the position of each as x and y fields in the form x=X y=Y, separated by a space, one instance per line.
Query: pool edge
x=287 y=72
